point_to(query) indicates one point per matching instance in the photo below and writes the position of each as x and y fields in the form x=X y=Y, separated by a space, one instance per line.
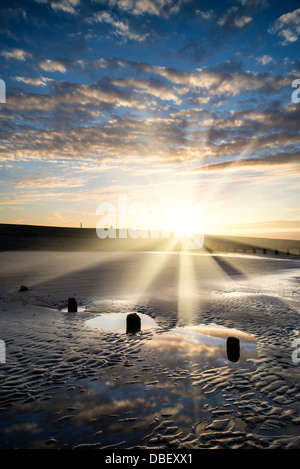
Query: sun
x=184 y=220
x=184 y=223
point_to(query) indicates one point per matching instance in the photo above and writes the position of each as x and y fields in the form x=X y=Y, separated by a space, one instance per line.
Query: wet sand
x=65 y=384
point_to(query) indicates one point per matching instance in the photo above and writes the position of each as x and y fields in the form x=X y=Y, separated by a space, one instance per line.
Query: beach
x=67 y=382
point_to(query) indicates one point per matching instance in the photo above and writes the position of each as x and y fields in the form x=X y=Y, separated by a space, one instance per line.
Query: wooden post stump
x=233 y=349
x=133 y=323
x=72 y=305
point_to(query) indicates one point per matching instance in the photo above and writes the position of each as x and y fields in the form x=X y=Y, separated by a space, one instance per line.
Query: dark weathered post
x=72 y=305
x=133 y=323
x=233 y=349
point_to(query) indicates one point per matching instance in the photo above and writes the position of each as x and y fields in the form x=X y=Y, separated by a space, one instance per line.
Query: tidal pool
x=202 y=344
x=116 y=322
x=80 y=309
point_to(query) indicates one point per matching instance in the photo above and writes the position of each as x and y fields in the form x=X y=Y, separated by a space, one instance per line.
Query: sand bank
x=65 y=384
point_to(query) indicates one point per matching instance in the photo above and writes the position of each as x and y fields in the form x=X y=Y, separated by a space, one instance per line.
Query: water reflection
x=80 y=309
x=203 y=344
x=116 y=322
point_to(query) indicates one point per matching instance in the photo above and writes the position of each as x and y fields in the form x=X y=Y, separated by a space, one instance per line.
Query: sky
x=158 y=104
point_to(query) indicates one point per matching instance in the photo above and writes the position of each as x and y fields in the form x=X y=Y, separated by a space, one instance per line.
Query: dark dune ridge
x=34 y=238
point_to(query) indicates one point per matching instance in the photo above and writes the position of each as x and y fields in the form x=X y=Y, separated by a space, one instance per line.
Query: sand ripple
x=65 y=385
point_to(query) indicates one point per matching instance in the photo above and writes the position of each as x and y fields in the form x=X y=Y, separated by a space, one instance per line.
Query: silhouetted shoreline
x=35 y=238
x=32 y=237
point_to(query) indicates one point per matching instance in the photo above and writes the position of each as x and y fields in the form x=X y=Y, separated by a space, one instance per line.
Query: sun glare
x=182 y=219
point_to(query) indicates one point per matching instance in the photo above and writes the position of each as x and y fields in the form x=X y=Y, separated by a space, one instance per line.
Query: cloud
x=53 y=66
x=133 y=113
x=242 y=21
x=206 y=15
x=66 y=6
x=48 y=181
x=225 y=79
x=14 y=12
x=255 y=3
x=121 y=28
x=287 y=26
x=153 y=87
x=17 y=54
x=180 y=136
x=55 y=216
x=76 y=100
x=41 y=81
x=164 y=8
x=233 y=18
x=265 y=59
x=218 y=81
x=273 y=160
